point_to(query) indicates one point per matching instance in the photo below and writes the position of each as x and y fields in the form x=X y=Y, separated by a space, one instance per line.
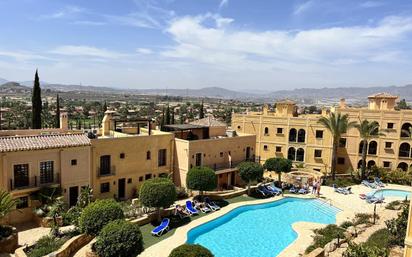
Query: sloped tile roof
x=39 y=142
x=382 y=95
x=209 y=121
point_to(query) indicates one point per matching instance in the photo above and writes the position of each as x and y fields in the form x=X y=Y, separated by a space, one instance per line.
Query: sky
x=259 y=45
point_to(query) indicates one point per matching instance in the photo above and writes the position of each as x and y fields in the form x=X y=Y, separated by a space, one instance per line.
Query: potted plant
x=8 y=234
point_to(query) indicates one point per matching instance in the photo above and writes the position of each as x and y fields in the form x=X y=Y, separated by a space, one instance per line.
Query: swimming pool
x=262 y=230
x=393 y=193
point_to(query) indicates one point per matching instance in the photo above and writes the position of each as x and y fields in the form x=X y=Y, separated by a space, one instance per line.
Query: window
x=318 y=153
x=278 y=149
x=22 y=202
x=265 y=147
x=342 y=142
x=105 y=165
x=319 y=134
x=238 y=127
x=148 y=155
x=341 y=160
x=388 y=145
x=266 y=131
x=387 y=164
x=373 y=147
x=301 y=135
x=129 y=181
x=122 y=155
x=46 y=172
x=390 y=125
x=21 y=175
x=105 y=187
x=198 y=160
x=279 y=131
x=221 y=154
x=140 y=178
x=147 y=176
x=162 y=157
x=73 y=162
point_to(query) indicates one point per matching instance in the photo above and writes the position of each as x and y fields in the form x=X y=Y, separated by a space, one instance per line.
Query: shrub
x=397 y=227
x=363 y=250
x=45 y=245
x=71 y=216
x=202 y=179
x=346 y=224
x=188 y=250
x=181 y=193
x=325 y=235
x=278 y=165
x=379 y=239
x=249 y=172
x=364 y=218
x=5 y=231
x=158 y=193
x=341 y=182
x=97 y=214
x=119 y=238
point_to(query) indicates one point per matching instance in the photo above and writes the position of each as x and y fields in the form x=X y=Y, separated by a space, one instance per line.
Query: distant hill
x=212 y=92
x=14 y=88
x=2 y=81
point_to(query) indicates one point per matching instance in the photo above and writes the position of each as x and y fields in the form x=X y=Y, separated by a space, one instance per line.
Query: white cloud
x=223 y=3
x=23 y=55
x=65 y=12
x=144 y=51
x=371 y=4
x=86 y=51
x=89 y=23
x=303 y=7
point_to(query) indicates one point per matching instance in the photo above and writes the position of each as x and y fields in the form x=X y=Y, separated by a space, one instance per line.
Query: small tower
x=342 y=103
x=107 y=123
x=382 y=101
x=285 y=108
x=64 y=121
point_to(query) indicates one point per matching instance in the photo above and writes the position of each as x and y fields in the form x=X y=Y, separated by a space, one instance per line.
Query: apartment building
x=300 y=138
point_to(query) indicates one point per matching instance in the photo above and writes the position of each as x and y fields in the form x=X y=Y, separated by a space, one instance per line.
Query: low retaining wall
x=318 y=252
x=46 y=222
x=11 y=243
x=66 y=250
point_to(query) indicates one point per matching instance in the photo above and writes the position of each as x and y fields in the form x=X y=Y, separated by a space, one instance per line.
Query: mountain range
x=311 y=94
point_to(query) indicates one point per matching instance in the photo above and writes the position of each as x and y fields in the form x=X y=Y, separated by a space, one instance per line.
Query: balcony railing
x=230 y=165
x=33 y=182
x=104 y=172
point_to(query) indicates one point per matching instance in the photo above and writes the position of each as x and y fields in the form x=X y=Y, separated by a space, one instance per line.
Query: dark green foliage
x=342 y=182
x=402 y=105
x=363 y=250
x=397 y=227
x=5 y=231
x=45 y=245
x=379 y=239
x=396 y=205
x=188 y=250
x=168 y=120
x=249 y=172
x=201 y=178
x=181 y=193
x=97 y=214
x=364 y=218
x=346 y=224
x=278 y=165
x=325 y=235
x=57 y=117
x=119 y=238
x=201 y=111
x=36 y=103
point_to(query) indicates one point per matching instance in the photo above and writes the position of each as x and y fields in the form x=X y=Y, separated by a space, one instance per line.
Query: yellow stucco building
x=300 y=138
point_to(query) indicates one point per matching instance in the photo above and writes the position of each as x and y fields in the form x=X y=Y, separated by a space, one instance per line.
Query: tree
x=367 y=130
x=402 y=105
x=397 y=227
x=172 y=114
x=162 y=121
x=167 y=121
x=201 y=111
x=337 y=124
x=249 y=172
x=158 y=193
x=189 y=250
x=36 y=103
x=57 y=122
x=201 y=179
x=278 y=165
x=104 y=107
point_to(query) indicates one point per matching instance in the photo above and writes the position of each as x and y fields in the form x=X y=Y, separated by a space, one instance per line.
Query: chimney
x=265 y=109
x=342 y=103
x=107 y=123
x=325 y=111
x=64 y=121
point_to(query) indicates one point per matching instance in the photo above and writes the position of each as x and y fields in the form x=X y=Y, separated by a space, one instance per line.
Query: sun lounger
x=180 y=212
x=293 y=190
x=163 y=227
x=368 y=184
x=190 y=208
x=212 y=205
x=203 y=209
x=375 y=199
x=303 y=191
x=274 y=190
x=379 y=182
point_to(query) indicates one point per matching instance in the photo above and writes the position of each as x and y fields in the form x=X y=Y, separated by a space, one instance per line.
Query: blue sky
x=236 y=44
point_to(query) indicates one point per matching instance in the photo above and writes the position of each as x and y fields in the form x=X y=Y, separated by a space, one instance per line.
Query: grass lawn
x=176 y=222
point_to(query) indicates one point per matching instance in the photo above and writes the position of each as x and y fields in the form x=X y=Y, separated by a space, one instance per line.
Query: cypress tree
x=172 y=121
x=36 y=103
x=162 y=121
x=57 y=122
x=201 y=111
x=105 y=106
x=168 y=115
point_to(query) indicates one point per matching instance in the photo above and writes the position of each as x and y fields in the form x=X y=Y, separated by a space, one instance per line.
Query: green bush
x=119 y=238
x=396 y=205
x=278 y=165
x=188 y=250
x=45 y=245
x=202 y=179
x=346 y=224
x=397 y=227
x=364 y=218
x=97 y=214
x=181 y=193
x=71 y=216
x=363 y=250
x=379 y=239
x=325 y=235
x=341 y=182
x=249 y=172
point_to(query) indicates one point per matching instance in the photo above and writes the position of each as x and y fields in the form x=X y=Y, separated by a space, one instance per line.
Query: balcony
x=230 y=165
x=106 y=172
x=34 y=182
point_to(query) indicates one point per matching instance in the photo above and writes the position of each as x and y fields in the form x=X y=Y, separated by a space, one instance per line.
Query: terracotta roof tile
x=39 y=142
x=382 y=95
x=209 y=121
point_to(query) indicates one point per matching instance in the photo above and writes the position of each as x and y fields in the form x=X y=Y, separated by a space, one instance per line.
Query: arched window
x=266 y=131
x=405 y=130
x=148 y=155
x=371 y=163
x=403 y=166
x=361 y=147
x=292 y=135
x=404 y=150
x=301 y=135
x=291 y=154
x=373 y=147
x=300 y=155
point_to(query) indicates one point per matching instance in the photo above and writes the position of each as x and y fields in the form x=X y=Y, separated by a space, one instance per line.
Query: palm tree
x=7 y=203
x=367 y=130
x=337 y=124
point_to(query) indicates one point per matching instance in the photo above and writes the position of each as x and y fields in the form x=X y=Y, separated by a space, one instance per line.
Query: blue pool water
x=262 y=230
x=393 y=193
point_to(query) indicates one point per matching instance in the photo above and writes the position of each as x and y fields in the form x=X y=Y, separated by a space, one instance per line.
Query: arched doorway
x=301 y=135
x=300 y=155
x=291 y=153
x=371 y=163
x=406 y=129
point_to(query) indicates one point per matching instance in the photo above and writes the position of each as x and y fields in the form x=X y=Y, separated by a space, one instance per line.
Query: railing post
x=35 y=181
